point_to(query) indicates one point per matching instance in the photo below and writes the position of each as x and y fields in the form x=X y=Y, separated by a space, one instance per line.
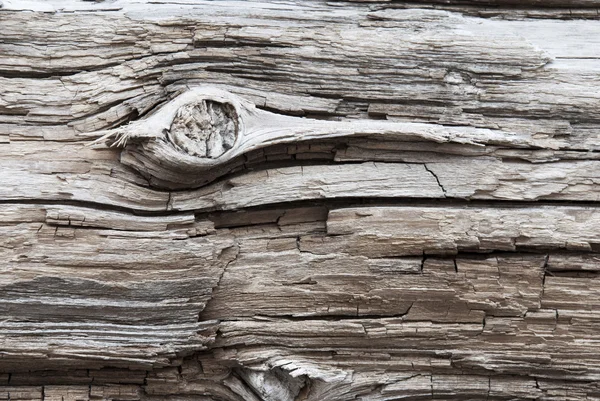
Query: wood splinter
x=191 y=140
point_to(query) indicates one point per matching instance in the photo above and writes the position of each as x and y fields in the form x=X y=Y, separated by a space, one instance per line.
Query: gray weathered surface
x=318 y=201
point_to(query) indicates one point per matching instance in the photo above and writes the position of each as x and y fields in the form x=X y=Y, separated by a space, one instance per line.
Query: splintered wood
x=299 y=201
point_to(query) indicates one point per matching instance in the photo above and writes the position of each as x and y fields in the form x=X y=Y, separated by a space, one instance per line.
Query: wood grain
x=299 y=201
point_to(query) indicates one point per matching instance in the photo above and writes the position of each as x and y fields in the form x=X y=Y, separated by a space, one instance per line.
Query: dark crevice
x=331 y=203
x=546 y=271
x=228 y=43
x=63 y=72
x=169 y=205
x=515 y=12
x=393 y=101
x=573 y=273
x=87 y=204
x=509 y=4
x=436 y=178
x=329 y=318
x=467 y=255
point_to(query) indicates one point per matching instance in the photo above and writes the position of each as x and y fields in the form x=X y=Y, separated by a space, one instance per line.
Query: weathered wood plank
x=110 y=287
x=311 y=182
x=424 y=176
x=471 y=80
x=409 y=210
x=400 y=231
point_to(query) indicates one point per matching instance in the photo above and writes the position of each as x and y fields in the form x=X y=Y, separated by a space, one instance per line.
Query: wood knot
x=203 y=133
x=204 y=129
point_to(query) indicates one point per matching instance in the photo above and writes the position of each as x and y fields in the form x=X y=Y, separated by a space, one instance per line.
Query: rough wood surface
x=299 y=200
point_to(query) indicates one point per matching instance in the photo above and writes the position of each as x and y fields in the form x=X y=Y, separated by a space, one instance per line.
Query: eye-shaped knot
x=204 y=129
x=202 y=123
x=202 y=134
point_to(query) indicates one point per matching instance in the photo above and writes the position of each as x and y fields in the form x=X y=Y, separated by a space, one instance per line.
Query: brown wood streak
x=408 y=211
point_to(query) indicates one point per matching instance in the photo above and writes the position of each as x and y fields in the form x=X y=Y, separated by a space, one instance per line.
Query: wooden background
x=456 y=260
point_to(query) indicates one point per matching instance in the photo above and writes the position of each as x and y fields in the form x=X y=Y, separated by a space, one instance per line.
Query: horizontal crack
x=331 y=203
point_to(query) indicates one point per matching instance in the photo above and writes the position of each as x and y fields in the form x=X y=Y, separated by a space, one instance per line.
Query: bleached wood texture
x=300 y=200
